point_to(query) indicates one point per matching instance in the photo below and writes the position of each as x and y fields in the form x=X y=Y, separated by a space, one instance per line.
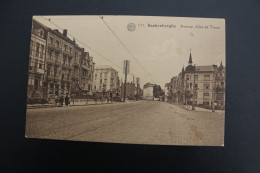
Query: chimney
x=65 y=31
x=74 y=41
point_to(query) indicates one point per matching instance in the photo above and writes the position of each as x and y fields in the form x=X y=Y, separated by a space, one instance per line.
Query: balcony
x=75 y=76
x=220 y=89
x=52 y=61
x=86 y=67
x=220 y=78
x=67 y=66
x=55 y=48
x=68 y=54
x=39 y=71
x=49 y=77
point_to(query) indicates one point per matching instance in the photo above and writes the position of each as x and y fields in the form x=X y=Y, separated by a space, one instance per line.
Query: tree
x=157 y=91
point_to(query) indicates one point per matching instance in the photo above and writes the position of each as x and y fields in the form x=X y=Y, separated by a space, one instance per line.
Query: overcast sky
x=162 y=51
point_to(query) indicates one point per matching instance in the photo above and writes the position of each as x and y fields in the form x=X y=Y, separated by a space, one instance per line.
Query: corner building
x=36 y=67
x=59 y=63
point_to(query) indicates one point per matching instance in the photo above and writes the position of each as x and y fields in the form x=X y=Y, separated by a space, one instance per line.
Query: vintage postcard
x=127 y=79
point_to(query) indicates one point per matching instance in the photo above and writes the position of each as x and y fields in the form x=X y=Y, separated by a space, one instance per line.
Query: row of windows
x=206 y=77
x=105 y=75
x=37 y=49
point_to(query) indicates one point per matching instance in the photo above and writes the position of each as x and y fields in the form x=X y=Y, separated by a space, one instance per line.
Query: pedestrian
x=61 y=100
x=56 y=100
x=111 y=97
x=67 y=100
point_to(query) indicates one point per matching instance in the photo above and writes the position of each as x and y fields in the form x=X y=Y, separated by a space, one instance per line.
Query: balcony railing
x=48 y=60
x=68 y=54
x=75 y=76
x=66 y=66
x=86 y=67
x=35 y=70
x=220 y=78
x=55 y=48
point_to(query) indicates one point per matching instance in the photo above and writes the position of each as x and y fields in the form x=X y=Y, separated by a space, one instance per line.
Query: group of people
x=60 y=100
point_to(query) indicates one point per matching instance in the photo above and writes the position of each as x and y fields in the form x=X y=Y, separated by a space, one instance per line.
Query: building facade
x=148 y=91
x=131 y=91
x=202 y=85
x=62 y=64
x=105 y=79
x=36 y=67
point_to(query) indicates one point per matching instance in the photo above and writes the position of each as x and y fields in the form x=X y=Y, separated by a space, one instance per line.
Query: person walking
x=56 y=100
x=67 y=100
x=61 y=100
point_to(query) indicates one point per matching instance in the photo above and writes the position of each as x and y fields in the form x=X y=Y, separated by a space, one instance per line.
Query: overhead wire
x=102 y=18
x=107 y=59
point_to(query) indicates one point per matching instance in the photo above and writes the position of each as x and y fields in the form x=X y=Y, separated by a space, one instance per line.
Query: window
x=37 y=49
x=206 y=77
x=220 y=96
x=36 y=63
x=196 y=86
x=206 y=86
x=205 y=103
x=222 y=84
x=70 y=50
x=48 y=71
x=42 y=47
x=41 y=34
x=51 y=40
x=40 y=65
x=206 y=96
x=187 y=77
x=57 y=43
x=63 y=76
x=31 y=48
x=196 y=77
x=84 y=72
x=95 y=75
x=50 y=55
x=62 y=86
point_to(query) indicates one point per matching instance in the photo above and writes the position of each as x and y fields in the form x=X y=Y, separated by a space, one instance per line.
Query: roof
x=148 y=85
x=103 y=67
x=204 y=68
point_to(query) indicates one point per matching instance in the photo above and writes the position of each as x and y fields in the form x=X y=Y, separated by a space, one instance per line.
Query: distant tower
x=221 y=66
x=190 y=59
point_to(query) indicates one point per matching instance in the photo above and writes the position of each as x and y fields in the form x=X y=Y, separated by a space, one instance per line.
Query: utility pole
x=126 y=70
x=193 y=96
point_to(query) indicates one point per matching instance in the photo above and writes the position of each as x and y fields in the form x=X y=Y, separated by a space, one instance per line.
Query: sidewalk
x=90 y=102
x=199 y=109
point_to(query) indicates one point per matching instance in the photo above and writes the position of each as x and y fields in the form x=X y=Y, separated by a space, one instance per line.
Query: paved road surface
x=142 y=122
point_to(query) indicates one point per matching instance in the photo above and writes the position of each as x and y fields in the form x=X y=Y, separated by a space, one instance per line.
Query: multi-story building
x=87 y=71
x=199 y=84
x=131 y=90
x=105 y=79
x=220 y=85
x=36 y=61
x=59 y=62
x=148 y=91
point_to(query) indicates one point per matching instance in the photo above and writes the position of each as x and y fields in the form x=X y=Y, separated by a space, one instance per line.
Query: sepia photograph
x=127 y=79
